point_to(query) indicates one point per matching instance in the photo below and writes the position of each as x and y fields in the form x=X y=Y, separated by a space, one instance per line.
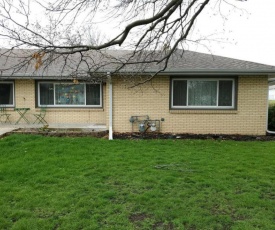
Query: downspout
x=110 y=106
x=268 y=131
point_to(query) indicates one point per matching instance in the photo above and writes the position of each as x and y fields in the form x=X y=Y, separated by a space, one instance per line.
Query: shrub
x=271 y=117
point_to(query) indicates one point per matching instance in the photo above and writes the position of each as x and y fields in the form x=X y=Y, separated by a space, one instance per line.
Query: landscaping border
x=136 y=135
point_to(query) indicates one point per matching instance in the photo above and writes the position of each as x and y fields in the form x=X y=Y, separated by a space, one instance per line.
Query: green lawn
x=86 y=183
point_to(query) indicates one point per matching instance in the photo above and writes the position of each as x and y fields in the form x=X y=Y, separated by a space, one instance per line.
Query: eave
x=169 y=72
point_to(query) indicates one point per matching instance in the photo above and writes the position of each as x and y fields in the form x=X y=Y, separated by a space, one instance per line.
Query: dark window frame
x=205 y=78
x=13 y=94
x=73 y=106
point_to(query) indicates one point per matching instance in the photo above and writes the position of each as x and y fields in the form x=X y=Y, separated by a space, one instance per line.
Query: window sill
x=72 y=109
x=9 y=108
x=203 y=111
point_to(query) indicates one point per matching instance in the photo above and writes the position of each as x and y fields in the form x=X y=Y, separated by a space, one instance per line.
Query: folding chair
x=4 y=114
x=40 y=116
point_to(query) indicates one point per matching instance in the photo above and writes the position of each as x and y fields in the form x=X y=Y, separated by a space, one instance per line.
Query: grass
x=85 y=183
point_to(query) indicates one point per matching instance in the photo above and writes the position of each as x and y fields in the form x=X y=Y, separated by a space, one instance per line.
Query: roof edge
x=152 y=72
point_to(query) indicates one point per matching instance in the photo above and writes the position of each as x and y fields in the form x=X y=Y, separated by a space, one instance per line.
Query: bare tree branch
x=63 y=34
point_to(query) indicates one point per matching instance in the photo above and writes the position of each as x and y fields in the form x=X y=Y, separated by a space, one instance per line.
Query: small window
x=69 y=95
x=203 y=93
x=7 y=93
x=179 y=93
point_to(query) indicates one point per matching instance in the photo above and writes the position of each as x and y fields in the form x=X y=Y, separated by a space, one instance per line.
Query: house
x=197 y=93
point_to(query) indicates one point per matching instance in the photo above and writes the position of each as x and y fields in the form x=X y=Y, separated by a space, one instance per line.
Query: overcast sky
x=246 y=35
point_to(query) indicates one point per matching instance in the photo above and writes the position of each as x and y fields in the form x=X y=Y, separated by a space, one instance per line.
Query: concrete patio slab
x=6 y=128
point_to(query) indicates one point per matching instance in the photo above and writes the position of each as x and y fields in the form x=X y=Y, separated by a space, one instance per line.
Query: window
x=203 y=93
x=69 y=95
x=6 y=93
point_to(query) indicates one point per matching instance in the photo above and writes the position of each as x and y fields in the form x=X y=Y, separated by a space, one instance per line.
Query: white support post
x=110 y=106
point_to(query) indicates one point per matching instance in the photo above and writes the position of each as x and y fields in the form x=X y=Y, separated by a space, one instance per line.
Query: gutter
x=176 y=72
x=183 y=72
x=217 y=73
x=110 y=106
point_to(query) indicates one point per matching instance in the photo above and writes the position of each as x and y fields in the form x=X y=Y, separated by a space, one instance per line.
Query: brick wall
x=153 y=100
x=25 y=97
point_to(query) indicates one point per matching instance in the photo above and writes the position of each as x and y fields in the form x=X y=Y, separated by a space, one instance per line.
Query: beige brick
x=249 y=118
x=25 y=97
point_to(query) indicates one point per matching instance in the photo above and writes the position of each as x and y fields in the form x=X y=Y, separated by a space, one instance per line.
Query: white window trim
x=204 y=107
x=68 y=106
x=13 y=94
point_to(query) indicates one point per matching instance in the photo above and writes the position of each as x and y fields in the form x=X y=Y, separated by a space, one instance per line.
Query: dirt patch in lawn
x=165 y=226
x=138 y=217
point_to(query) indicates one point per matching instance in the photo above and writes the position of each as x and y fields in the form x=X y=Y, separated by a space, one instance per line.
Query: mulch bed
x=137 y=136
x=193 y=136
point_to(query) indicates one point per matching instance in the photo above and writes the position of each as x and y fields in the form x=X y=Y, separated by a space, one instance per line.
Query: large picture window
x=69 y=95
x=203 y=93
x=7 y=93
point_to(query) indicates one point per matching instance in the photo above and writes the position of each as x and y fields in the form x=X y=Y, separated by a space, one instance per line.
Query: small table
x=22 y=112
